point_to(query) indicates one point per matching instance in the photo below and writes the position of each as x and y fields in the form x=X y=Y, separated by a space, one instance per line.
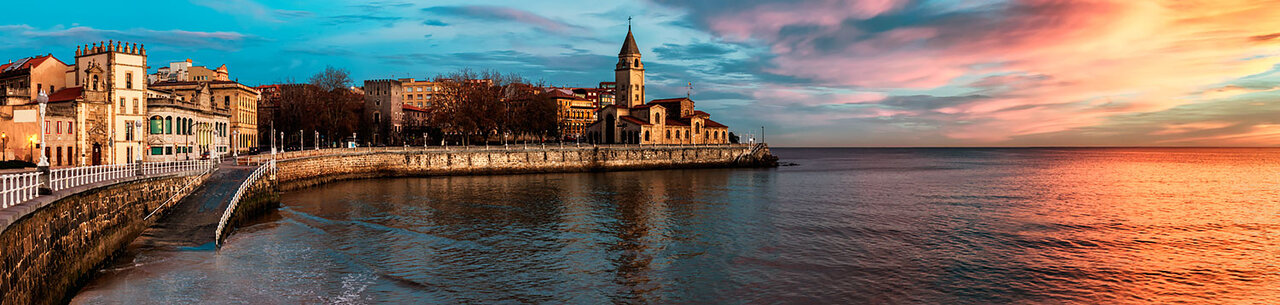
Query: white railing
x=64 y=178
x=266 y=168
x=16 y=188
x=156 y=168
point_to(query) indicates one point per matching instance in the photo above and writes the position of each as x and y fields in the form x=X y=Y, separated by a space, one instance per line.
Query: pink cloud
x=1056 y=65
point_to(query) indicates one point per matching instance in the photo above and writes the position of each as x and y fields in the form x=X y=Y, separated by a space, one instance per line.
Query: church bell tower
x=629 y=73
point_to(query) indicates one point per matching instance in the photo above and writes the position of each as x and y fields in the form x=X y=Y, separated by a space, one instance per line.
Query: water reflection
x=956 y=226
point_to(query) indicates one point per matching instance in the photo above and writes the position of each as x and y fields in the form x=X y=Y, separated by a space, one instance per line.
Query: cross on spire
x=628 y=23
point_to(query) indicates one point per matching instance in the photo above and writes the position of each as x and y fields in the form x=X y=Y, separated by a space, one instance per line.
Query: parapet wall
x=309 y=171
x=51 y=251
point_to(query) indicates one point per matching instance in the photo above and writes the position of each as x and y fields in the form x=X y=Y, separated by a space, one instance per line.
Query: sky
x=879 y=73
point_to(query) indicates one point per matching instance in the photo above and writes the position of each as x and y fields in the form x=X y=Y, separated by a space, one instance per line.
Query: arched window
x=168 y=125
x=637 y=65
x=686 y=133
x=377 y=118
x=646 y=135
x=668 y=134
x=157 y=125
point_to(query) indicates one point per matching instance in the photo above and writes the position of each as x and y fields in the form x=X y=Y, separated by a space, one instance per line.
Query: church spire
x=629 y=46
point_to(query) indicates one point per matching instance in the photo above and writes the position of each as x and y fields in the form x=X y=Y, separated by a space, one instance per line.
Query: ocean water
x=842 y=226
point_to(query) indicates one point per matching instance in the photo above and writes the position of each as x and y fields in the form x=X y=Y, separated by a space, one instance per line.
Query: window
x=128 y=80
x=668 y=134
x=59 y=129
x=121 y=105
x=646 y=135
x=71 y=127
x=46 y=127
x=157 y=125
x=135 y=106
x=637 y=65
x=156 y=151
x=39 y=87
x=168 y=125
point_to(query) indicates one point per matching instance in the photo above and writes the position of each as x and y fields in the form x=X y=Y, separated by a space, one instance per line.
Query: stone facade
x=304 y=172
x=54 y=249
x=663 y=121
x=186 y=129
x=240 y=101
x=383 y=112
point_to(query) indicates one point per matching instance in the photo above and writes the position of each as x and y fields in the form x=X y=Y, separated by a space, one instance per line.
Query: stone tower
x=629 y=74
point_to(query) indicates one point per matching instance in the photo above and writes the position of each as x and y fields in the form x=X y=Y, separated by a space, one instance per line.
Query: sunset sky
x=815 y=73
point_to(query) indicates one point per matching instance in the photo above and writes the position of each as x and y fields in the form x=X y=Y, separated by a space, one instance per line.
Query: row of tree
x=467 y=107
x=491 y=106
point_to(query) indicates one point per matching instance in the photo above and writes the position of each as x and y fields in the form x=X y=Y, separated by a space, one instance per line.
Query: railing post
x=43 y=175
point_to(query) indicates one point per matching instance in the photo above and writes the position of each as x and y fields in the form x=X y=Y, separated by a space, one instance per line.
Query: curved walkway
x=191 y=222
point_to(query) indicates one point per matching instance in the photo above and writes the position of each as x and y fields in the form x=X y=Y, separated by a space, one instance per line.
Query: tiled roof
x=711 y=123
x=25 y=63
x=677 y=122
x=700 y=112
x=66 y=94
x=635 y=120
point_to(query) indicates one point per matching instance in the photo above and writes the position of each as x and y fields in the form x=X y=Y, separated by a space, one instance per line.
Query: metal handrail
x=269 y=167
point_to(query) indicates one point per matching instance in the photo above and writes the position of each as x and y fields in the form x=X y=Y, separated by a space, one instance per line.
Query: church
x=663 y=121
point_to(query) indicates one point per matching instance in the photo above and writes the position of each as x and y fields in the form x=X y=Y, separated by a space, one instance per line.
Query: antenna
x=690 y=93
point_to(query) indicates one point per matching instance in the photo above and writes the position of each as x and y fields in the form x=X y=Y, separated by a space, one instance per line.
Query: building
x=575 y=112
x=182 y=128
x=239 y=100
x=21 y=81
x=184 y=71
x=383 y=111
x=107 y=95
x=417 y=93
x=664 y=121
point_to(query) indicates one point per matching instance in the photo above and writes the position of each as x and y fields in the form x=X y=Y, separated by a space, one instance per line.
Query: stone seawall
x=48 y=253
x=309 y=171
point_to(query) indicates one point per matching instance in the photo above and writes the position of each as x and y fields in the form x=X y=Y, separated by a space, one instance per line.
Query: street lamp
x=4 y=146
x=317 y=140
x=235 y=143
x=44 y=102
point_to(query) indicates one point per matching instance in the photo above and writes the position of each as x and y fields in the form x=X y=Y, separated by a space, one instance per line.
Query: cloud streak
x=506 y=14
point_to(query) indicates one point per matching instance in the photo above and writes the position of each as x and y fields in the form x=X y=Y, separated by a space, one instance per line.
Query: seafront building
x=183 y=71
x=417 y=93
x=182 y=128
x=383 y=111
x=662 y=121
x=239 y=100
x=575 y=112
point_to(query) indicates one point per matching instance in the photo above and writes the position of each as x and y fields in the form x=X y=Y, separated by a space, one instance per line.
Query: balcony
x=16 y=92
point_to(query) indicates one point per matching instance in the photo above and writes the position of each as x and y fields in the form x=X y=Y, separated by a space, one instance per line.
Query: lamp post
x=235 y=143
x=317 y=140
x=44 y=102
x=43 y=166
x=4 y=146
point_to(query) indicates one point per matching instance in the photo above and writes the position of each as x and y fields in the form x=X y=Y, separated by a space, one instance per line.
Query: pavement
x=192 y=221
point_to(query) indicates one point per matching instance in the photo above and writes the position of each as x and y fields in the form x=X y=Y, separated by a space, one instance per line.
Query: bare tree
x=331 y=79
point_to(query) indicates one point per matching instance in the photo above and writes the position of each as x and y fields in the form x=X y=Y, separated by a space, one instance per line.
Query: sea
x=831 y=226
